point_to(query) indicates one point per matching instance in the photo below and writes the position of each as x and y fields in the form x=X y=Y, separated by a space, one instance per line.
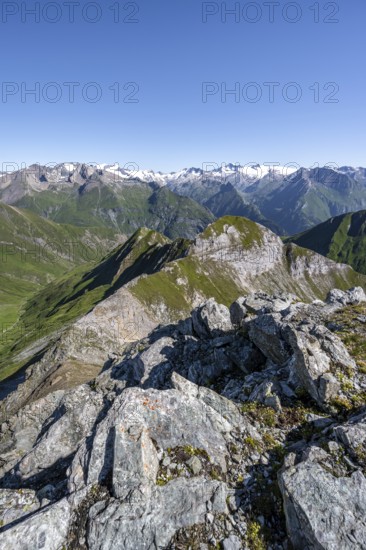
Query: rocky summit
x=240 y=427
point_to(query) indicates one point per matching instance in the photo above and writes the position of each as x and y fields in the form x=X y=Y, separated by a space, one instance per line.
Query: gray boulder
x=265 y=331
x=48 y=528
x=353 y=296
x=267 y=394
x=317 y=353
x=150 y=367
x=260 y=303
x=225 y=408
x=21 y=431
x=238 y=312
x=324 y=512
x=150 y=518
x=77 y=413
x=211 y=319
x=122 y=446
x=16 y=504
x=232 y=543
x=353 y=433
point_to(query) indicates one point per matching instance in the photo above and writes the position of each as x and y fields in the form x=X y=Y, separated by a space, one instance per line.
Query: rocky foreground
x=233 y=429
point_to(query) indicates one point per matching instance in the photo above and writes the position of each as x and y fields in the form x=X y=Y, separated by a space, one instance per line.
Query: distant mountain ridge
x=286 y=199
x=86 y=196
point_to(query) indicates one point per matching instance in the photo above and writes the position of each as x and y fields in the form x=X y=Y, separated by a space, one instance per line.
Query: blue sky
x=169 y=53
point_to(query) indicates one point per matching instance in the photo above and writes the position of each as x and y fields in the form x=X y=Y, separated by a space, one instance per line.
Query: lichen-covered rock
x=137 y=418
x=353 y=433
x=47 y=528
x=15 y=504
x=21 y=431
x=151 y=365
x=260 y=303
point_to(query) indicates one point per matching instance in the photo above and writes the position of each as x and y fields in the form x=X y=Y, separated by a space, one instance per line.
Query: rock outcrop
x=199 y=436
x=323 y=510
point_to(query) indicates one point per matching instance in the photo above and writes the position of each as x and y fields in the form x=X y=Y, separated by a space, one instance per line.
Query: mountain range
x=100 y=207
x=285 y=199
x=90 y=197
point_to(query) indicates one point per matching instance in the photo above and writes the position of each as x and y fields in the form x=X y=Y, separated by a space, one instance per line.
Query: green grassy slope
x=124 y=208
x=33 y=251
x=342 y=239
x=77 y=292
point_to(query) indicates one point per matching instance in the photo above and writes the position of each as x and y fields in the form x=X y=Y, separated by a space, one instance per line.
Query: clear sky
x=171 y=50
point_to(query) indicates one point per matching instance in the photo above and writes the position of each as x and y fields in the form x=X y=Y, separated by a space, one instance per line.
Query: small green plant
x=361 y=366
x=161 y=481
x=193 y=451
x=264 y=415
x=358 y=400
x=254 y=537
x=269 y=441
x=342 y=404
x=215 y=473
x=360 y=453
x=346 y=384
x=301 y=393
x=27 y=508
x=93 y=385
x=251 y=442
x=233 y=448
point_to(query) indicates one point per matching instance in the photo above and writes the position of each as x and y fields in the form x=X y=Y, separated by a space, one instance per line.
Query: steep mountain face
x=150 y=281
x=240 y=428
x=241 y=177
x=226 y=190
x=342 y=239
x=229 y=201
x=234 y=255
x=34 y=251
x=87 y=196
x=292 y=201
x=309 y=197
